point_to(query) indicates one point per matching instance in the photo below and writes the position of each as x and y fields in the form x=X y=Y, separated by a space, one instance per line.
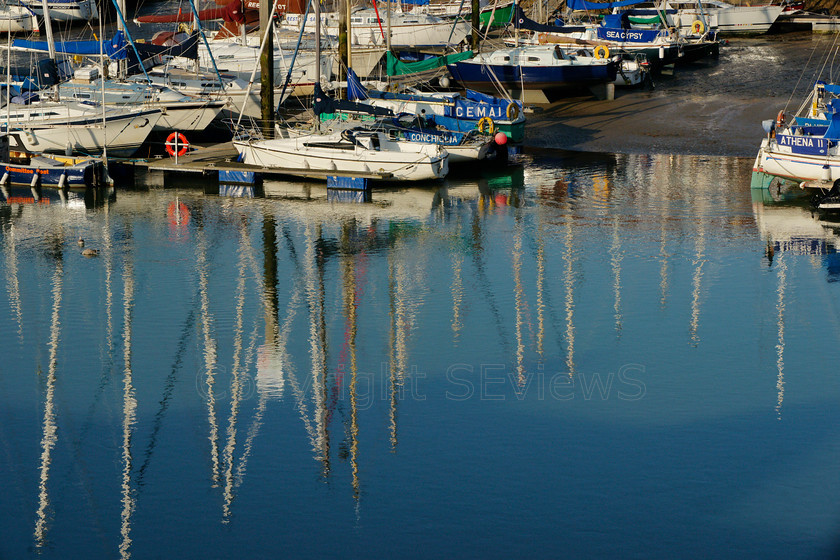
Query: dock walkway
x=222 y=157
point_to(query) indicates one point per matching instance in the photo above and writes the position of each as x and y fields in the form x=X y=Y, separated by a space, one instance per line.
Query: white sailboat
x=179 y=111
x=76 y=11
x=723 y=16
x=353 y=152
x=43 y=122
x=62 y=126
x=407 y=30
x=17 y=19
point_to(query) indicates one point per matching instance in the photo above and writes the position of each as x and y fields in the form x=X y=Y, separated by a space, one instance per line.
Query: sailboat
x=463 y=147
x=451 y=111
x=237 y=54
x=75 y=11
x=179 y=110
x=804 y=147
x=43 y=122
x=17 y=19
x=346 y=152
x=407 y=30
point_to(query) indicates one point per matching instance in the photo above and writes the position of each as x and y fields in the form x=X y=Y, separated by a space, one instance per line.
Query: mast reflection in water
x=636 y=349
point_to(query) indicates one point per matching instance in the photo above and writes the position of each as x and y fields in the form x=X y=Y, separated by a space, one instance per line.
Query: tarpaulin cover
x=396 y=67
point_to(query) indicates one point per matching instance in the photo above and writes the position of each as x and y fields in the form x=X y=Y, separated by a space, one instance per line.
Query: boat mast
x=317 y=10
x=343 y=39
x=267 y=69
x=515 y=24
x=122 y=64
x=475 y=22
x=48 y=27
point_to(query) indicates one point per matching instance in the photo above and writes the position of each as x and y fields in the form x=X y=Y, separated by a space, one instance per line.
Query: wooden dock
x=222 y=157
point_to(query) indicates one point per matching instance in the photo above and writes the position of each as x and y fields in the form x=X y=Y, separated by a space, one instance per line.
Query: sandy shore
x=641 y=122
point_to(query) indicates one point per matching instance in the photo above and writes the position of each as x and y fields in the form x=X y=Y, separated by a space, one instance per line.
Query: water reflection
x=312 y=328
x=129 y=411
x=49 y=432
x=790 y=228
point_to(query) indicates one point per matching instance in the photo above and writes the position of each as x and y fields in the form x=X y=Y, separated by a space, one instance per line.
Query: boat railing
x=247 y=128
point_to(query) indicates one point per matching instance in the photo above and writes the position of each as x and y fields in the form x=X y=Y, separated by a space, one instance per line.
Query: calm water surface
x=617 y=356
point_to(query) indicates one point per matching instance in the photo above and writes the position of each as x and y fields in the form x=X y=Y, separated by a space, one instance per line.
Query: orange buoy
x=177 y=141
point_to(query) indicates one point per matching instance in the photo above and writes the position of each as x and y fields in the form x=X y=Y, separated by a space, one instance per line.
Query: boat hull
x=15 y=20
x=75 y=176
x=189 y=116
x=796 y=166
x=734 y=20
x=482 y=76
x=120 y=134
x=294 y=157
x=76 y=11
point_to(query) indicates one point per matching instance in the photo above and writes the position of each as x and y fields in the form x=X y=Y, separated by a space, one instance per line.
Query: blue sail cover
x=355 y=90
x=521 y=21
x=118 y=49
x=115 y=48
x=416 y=2
x=584 y=5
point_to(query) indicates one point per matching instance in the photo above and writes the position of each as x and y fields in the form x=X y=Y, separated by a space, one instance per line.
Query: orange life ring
x=780 y=118
x=179 y=140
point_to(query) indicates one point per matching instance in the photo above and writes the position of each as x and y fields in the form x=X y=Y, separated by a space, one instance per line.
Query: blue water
x=579 y=357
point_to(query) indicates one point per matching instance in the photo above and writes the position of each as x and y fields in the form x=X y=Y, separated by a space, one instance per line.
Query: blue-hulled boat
x=452 y=111
x=533 y=68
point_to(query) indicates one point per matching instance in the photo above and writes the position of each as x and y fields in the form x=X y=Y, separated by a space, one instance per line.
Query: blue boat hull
x=77 y=176
x=544 y=78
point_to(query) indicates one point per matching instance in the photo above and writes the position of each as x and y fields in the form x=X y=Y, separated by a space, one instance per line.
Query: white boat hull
x=798 y=167
x=298 y=156
x=122 y=133
x=731 y=20
x=240 y=61
x=191 y=116
x=407 y=30
x=14 y=19
x=67 y=10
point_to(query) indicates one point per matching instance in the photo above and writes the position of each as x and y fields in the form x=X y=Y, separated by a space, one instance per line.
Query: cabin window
x=81 y=95
x=506 y=58
x=533 y=59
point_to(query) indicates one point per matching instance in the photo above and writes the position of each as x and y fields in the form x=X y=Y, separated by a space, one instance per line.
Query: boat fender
x=5 y=179
x=485 y=125
x=62 y=181
x=780 y=118
x=35 y=178
x=179 y=140
x=601 y=51
x=512 y=111
x=697 y=26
